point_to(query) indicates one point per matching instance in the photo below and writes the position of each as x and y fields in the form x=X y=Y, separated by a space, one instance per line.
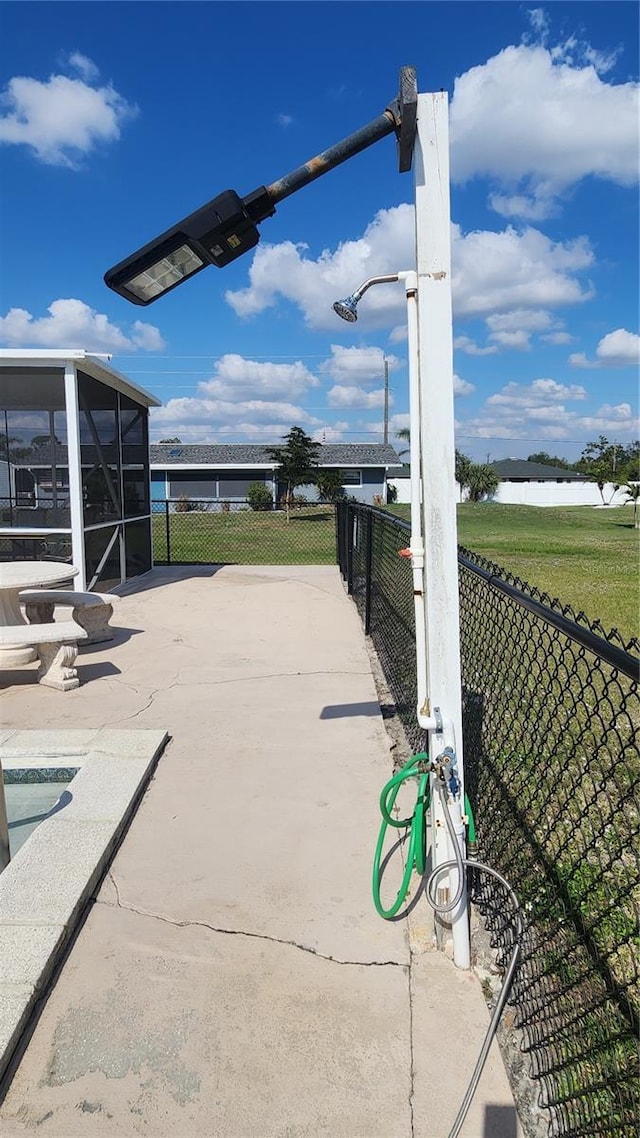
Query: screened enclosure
x=74 y=466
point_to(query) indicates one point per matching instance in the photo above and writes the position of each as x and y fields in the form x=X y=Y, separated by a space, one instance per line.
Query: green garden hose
x=416 y=767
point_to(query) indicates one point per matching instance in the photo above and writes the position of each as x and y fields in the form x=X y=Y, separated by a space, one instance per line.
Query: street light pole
x=434 y=546
x=385 y=429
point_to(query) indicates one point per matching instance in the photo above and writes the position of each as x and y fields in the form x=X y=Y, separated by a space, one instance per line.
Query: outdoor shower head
x=348 y=309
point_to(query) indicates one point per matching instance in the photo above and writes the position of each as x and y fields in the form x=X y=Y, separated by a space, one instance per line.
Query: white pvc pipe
x=416 y=544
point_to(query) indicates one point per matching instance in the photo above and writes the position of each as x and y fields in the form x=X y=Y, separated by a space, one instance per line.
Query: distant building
x=534 y=484
x=529 y=484
x=223 y=472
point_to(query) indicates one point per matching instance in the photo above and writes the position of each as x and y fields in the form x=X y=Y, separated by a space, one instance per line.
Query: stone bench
x=56 y=645
x=92 y=611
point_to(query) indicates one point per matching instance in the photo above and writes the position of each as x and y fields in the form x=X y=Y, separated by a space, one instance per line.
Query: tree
x=405 y=434
x=329 y=483
x=297 y=461
x=259 y=496
x=628 y=466
x=633 y=495
x=482 y=480
x=176 y=440
x=462 y=468
x=604 y=462
x=44 y=441
x=545 y=459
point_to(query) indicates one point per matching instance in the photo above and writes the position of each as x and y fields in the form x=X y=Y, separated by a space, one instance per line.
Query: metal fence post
x=5 y=856
x=368 y=570
x=167 y=531
x=349 y=528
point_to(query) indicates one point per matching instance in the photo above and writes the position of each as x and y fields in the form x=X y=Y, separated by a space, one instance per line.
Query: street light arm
x=378 y=128
x=398 y=118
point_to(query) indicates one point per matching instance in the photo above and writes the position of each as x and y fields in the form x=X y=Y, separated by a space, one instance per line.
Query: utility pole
x=385 y=434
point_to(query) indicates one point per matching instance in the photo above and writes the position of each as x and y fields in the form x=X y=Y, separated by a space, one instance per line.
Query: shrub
x=259 y=496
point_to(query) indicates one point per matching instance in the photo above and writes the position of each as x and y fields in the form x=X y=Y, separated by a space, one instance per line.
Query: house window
x=351 y=477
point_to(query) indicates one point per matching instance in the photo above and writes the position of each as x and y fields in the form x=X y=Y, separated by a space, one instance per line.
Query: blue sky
x=118 y=119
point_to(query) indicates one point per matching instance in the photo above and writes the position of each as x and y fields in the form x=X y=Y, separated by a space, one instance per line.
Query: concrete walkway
x=232 y=977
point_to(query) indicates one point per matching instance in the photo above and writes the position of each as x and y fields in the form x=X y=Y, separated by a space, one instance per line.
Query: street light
x=226 y=227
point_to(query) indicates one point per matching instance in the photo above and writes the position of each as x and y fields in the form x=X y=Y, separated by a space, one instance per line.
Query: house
x=223 y=472
x=529 y=484
x=535 y=484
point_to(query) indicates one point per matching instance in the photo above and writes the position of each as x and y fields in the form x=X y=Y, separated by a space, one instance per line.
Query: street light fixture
x=226 y=227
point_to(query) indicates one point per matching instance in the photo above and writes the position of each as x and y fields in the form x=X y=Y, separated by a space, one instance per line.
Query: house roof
x=251 y=454
x=509 y=468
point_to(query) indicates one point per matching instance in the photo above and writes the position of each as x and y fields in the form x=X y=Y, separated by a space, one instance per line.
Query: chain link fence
x=187 y=532
x=551 y=712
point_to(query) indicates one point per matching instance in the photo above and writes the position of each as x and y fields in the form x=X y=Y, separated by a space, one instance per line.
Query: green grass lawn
x=245 y=537
x=587 y=558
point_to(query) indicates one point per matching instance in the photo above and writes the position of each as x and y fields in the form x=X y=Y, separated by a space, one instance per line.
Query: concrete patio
x=232 y=977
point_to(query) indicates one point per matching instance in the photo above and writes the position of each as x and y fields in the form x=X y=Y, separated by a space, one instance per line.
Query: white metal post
x=75 y=473
x=437 y=447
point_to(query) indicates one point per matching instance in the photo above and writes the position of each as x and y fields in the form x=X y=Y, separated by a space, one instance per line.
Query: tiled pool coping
x=44 y=889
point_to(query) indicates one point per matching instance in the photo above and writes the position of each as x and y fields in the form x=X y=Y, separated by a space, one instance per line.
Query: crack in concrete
x=120 y=904
x=218 y=683
x=412 y=1066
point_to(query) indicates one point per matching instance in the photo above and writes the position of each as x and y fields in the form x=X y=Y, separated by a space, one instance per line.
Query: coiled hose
x=418 y=767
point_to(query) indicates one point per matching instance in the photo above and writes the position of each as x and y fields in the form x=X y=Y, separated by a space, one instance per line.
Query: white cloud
x=538 y=120
x=539 y=393
x=520 y=341
x=539 y=22
x=399 y=334
x=359 y=364
x=462 y=387
x=85 y=66
x=284 y=120
x=536 y=207
x=557 y=337
x=334 y=433
x=519 y=319
x=548 y=422
x=198 y=420
x=352 y=396
x=546 y=410
x=499 y=271
x=313 y=285
x=470 y=348
x=62 y=119
x=73 y=324
x=236 y=377
x=399 y=422
x=616 y=349
x=491 y=271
